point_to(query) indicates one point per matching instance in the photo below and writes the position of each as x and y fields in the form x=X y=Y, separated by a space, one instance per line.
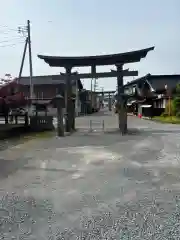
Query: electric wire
x=6 y=28
x=9 y=40
x=11 y=45
x=12 y=40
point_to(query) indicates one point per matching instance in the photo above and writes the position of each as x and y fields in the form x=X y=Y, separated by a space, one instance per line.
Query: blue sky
x=92 y=27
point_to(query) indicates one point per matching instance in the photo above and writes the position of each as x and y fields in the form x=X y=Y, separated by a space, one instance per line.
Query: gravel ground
x=97 y=185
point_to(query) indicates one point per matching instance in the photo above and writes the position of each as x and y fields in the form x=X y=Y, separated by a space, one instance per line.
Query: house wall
x=157 y=111
x=147 y=112
x=159 y=106
x=46 y=90
x=160 y=103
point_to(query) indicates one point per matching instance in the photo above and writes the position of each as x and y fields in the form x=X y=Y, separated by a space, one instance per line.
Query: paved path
x=94 y=185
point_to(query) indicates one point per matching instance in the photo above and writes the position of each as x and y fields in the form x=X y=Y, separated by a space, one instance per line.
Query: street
x=97 y=185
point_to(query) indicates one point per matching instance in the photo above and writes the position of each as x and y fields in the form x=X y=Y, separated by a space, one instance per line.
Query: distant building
x=47 y=86
x=151 y=93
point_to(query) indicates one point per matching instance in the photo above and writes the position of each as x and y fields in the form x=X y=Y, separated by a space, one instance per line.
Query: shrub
x=164 y=114
x=176 y=104
x=169 y=109
x=176 y=100
x=178 y=114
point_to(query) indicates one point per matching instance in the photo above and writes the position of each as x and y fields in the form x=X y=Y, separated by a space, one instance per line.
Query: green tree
x=176 y=101
x=178 y=89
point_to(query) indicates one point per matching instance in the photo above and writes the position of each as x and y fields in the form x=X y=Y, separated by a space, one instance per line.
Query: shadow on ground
x=8 y=167
x=19 y=135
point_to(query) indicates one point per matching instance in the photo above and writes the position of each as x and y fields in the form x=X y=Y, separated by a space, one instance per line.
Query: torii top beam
x=99 y=60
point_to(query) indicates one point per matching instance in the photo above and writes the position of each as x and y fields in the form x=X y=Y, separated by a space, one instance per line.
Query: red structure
x=11 y=97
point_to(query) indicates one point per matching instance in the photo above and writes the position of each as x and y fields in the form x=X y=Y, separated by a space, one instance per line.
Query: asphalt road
x=94 y=185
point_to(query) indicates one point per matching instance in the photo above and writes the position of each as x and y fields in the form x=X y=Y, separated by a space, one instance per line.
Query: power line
x=26 y=32
x=9 y=40
x=13 y=39
x=2 y=32
x=12 y=36
x=11 y=45
x=5 y=30
x=23 y=30
x=8 y=28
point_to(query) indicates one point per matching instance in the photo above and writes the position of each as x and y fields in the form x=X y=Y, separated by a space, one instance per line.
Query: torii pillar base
x=109 y=103
x=122 y=113
x=123 y=120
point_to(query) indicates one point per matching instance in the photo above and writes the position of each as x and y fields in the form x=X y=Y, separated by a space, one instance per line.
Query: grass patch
x=44 y=134
x=13 y=138
x=22 y=133
x=168 y=119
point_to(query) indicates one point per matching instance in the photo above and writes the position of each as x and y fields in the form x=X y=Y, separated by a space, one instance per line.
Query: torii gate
x=93 y=61
x=107 y=95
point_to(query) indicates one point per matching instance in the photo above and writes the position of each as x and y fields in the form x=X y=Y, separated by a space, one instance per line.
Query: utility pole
x=23 y=58
x=26 y=30
x=30 y=58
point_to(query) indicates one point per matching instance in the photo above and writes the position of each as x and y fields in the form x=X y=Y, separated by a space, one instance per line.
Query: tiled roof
x=154 y=77
x=47 y=79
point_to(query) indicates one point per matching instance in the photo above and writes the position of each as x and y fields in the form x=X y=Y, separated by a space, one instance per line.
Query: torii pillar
x=122 y=113
x=68 y=100
x=109 y=102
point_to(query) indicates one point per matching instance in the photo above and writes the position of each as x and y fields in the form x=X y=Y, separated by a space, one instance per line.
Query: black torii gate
x=106 y=95
x=93 y=61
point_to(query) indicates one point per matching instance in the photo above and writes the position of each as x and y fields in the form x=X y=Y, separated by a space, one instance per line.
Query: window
x=164 y=103
x=134 y=90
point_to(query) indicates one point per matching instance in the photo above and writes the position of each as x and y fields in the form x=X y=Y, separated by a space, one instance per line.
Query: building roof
x=47 y=80
x=149 y=77
x=99 y=60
